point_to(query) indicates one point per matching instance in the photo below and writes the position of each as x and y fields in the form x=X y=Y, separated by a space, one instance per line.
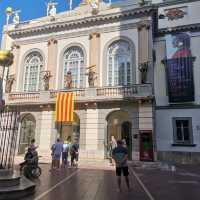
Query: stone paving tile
x=95 y=183
x=165 y=185
x=87 y=184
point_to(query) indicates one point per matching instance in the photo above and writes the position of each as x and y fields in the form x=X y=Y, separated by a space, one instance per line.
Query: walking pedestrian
x=112 y=145
x=52 y=157
x=65 y=151
x=57 y=151
x=120 y=155
x=74 y=154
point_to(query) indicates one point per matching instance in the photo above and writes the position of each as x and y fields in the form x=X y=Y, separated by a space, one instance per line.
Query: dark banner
x=179 y=68
x=180 y=79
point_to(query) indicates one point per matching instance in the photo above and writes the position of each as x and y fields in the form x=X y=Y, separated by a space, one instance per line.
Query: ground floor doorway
x=146 y=146
x=119 y=126
x=70 y=131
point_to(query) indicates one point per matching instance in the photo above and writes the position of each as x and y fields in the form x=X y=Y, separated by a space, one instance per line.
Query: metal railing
x=9 y=122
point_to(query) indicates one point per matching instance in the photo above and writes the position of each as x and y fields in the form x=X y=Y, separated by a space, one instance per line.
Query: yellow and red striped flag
x=65 y=107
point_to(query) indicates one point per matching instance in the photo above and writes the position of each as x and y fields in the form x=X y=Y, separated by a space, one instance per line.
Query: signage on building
x=179 y=68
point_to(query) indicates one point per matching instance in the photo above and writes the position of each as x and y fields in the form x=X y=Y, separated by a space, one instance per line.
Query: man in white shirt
x=65 y=151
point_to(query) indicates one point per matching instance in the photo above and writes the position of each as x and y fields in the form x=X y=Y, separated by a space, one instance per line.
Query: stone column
x=91 y=144
x=47 y=134
x=13 y=70
x=145 y=49
x=95 y=55
x=52 y=61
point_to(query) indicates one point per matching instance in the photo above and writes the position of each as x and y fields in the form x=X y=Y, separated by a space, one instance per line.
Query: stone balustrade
x=126 y=91
x=139 y=91
x=29 y=96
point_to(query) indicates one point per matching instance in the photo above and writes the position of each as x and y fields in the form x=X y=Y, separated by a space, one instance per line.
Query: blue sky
x=31 y=9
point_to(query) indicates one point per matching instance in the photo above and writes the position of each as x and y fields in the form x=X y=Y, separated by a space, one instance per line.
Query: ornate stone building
x=109 y=56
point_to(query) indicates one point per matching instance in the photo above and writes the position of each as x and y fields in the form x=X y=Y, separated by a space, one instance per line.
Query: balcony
x=103 y=94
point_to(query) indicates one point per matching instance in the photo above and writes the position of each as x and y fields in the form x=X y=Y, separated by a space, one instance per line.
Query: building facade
x=108 y=52
x=176 y=81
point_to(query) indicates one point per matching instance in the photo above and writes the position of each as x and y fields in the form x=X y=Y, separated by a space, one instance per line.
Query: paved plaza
x=148 y=183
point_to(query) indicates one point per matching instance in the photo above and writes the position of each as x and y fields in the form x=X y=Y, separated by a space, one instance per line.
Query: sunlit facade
x=119 y=103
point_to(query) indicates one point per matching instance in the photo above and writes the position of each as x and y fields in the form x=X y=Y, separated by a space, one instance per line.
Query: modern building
x=115 y=43
x=176 y=81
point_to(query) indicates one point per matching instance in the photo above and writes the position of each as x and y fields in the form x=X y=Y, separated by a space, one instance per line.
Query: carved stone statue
x=46 y=78
x=9 y=83
x=143 y=68
x=51 y=9
x=91 y=76
x=68 y=80
x=16 y=17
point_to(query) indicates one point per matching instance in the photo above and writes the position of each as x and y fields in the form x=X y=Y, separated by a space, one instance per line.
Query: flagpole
x=70 y=5
x=61 y=135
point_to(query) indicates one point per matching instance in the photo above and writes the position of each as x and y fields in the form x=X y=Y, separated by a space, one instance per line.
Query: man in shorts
x=57 y=151
x=120 y=156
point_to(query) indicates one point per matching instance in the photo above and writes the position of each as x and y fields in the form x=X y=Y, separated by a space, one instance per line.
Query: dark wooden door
x=146 y=146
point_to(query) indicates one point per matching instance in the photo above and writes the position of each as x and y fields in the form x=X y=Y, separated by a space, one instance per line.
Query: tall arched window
x=119 y=65
x=33 y=68
x=74 y=62
x=27 y=132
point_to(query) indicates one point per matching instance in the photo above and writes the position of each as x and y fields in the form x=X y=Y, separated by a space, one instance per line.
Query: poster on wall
x=179 y=68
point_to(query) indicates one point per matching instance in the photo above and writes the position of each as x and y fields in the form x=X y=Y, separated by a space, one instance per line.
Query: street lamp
x=6 y=60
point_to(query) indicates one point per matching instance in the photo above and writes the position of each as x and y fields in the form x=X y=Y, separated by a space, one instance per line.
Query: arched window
x=27 y=132
x=74 y=62
x=33 y=68
x=119 y=65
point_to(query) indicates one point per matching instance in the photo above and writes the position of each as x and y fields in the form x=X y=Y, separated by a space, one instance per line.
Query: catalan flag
x=65 y=107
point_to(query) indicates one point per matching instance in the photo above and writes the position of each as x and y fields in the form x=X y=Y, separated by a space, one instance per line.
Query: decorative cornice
x=179 y=106
x=177 y=2
x=190 y=27
x=78 y=34
x=84 y=22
